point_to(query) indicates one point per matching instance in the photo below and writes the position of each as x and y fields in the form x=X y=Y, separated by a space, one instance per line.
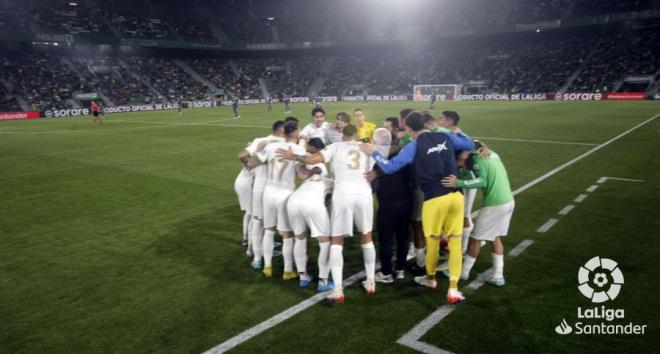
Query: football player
x=306 y=209
x=280 y=184
x=352 y=204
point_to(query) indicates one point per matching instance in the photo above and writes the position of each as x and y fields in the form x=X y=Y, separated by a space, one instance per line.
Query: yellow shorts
x=443 y=215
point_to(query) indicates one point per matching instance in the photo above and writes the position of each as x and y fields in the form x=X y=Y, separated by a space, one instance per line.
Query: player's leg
x=287 y=254
x=257 y=235
x=411 y=243
x=319 y=226
x=257 y=231
x=294 y=209
x=285 y=230
x=363 y=217
x=434 y=212
x=337 y=268
x=453 y=228
x=324 y=264
x=418 y=233
x=468 y=225
x=268 y=248
x=384 y=227
x=497 y=256
x=270 y=224
x=401 y=227
x=247 y=240
x=502 y=228
x=341 y=222
x=300 y=258
x=474 y=246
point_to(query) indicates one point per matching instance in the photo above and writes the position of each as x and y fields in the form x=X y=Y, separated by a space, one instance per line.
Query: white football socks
x=287 y=253
x=337 y=265
x=369 y=255
x=324 y=260
x=420 y=256
x=269 y=246
x=498 y=265
x=246 y=226
x=256 y=235
x=466 y=236
x=300 y=255
x=468 y=262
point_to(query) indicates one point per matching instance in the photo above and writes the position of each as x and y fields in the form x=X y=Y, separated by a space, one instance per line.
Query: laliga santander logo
x=600 y=279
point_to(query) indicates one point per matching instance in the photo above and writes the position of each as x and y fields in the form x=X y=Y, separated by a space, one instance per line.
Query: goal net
x=441 y=92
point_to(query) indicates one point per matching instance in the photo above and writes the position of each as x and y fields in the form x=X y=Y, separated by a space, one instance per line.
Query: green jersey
x=491 y=177
x=405 y=140
x=441 y=130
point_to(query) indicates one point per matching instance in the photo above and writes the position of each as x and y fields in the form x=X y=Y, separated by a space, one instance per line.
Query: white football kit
x=352 y=199
x=243 y=188
x=260 y=174
x=306 y=206
x=312 y=131
x=281 y=182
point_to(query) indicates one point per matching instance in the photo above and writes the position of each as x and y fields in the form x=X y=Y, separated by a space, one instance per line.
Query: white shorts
x=275 y=214
x=314 y=215
x=351 y=208
x=492 y=222
x=243 y=188
x=418 y=201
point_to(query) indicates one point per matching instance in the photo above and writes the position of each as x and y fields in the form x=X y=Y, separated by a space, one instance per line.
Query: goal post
x=448 y=92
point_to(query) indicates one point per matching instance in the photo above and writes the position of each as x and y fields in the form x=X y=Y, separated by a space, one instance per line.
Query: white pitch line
x=411 y=339
x=592 y=188
x=516 y=251
x=480 y=279
x=591 y=151
x=440 y=317
x=537 y=141
x=548 y=224
x=567 y=209
x=580 y=198
x=277 y=319
x=605 y=178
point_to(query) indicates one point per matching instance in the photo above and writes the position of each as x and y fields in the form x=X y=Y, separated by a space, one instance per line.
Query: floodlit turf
x=124 y=237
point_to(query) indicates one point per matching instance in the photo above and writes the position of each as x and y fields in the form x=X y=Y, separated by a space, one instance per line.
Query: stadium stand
x=168 y=78
x=579 y=61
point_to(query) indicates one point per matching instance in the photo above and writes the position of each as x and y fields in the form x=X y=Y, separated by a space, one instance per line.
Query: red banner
x=625 y=96
x=19 y=115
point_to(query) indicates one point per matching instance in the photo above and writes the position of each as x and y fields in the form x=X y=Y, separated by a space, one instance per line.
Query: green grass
x=124 y=237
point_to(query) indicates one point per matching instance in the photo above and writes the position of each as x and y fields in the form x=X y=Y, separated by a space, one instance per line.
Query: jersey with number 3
x=348 y=166
x=281 y=172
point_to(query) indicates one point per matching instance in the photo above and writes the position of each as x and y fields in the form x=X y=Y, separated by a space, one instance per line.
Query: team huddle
x=424 y=172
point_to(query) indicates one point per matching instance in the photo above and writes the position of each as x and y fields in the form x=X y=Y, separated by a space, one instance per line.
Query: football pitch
x=124 y=238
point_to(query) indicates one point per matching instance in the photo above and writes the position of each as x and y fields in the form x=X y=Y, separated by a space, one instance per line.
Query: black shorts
x=95 y=113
